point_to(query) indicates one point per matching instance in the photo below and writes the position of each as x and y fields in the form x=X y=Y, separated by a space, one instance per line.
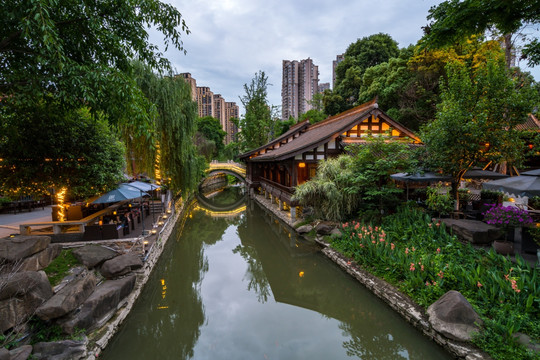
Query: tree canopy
x=211 y=135
x=454 y=20
x=476 y=118
x=47 y=148
x=256 y=124
x=80 y=53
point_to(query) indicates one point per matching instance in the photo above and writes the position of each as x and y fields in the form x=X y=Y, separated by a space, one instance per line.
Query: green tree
x=360 y=55
x=80 y=53
x=359 y=182
x=48 y=147
x=454 y=20
x=476 y=119
x=257 y=124
x=211 y=131
x=168 y=149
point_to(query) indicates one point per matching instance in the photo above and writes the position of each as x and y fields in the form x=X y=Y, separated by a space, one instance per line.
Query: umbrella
x=477 y=173
x=532 y=172
x=427 y=176
x=141 y=185
x=120 y=194
x=517 y=185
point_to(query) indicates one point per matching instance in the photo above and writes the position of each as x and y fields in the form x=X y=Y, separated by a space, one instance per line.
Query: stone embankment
x=450 y=321
x=95 y=297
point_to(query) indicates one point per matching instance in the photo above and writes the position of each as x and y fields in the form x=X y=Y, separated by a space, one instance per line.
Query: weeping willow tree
x=161 y=142
x=326 y=192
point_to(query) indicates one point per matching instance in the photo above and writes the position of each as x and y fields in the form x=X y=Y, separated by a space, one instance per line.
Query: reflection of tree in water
x=226 y=196
x=257 y=280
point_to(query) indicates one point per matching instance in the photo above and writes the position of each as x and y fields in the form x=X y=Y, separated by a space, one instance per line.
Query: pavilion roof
x=315 y=135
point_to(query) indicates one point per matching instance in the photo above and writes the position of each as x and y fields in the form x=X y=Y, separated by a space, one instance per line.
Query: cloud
x=231 y=40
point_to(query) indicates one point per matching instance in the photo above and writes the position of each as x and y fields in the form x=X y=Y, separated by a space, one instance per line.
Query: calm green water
x=242 y=287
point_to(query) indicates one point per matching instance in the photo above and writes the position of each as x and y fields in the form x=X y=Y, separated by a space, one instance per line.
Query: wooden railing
x=60 y=227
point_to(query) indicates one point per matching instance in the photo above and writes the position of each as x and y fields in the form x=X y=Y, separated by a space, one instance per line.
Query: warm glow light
x=164 y=216
x=114 y=213
x=512 y=200
x=145 y=242
x=530 y=146
x=162 y=282
x=301 y=274
x=162 y=307
x=154 y=231
x=60 y=197
x=302 y=165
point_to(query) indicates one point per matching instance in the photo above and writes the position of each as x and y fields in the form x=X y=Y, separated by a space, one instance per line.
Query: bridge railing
x=229 y=165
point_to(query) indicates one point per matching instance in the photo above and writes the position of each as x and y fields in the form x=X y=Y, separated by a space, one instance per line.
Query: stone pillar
x=293 y=213
x=280 y=204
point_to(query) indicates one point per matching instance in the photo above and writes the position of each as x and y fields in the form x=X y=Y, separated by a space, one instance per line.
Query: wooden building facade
x=276 y=168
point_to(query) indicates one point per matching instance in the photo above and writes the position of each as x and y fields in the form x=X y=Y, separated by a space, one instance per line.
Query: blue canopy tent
x=120 y=194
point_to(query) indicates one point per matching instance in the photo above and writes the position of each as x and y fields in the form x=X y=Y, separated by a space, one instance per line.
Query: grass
x=60 y=267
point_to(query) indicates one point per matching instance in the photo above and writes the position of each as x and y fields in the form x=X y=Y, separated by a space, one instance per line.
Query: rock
x=93 y=255
x=4 y=354
x=21 y=295
x=60 y=350
x=105 y=298
x=473 y=231
x=297 y=223
x=69 y=298
x=454 y=317
x=304 y=229
x=42 y=259
x=21 y=353
x=121 y=265
x=526 y=341
x=73 y=274
x=335 y=233
x=19 y=247
x=324 y=228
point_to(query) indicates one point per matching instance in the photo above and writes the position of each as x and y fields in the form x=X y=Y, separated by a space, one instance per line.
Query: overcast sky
x=231 y=40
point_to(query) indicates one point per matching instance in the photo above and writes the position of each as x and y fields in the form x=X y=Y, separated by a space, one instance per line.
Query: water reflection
x=244 y=287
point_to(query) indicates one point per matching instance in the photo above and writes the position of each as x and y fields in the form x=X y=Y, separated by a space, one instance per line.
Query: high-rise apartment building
x=205 y=100
x=231 y=111
x=300 y=82
x=339 y=58
x=210 y=104
x=192 y=84
x=324 y=86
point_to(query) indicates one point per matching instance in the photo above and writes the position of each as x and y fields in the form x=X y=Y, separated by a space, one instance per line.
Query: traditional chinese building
x=277 y=167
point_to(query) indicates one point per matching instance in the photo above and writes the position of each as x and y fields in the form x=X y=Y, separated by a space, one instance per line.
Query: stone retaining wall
x=99 y=339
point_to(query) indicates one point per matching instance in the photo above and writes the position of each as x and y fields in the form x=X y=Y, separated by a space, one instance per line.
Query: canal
x=236 y=284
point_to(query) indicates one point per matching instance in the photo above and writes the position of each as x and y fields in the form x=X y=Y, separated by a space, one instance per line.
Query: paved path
x=9 y=223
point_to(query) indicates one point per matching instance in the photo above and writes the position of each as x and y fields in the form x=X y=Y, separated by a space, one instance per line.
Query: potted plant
x=440 y=203
x=510 y=219
x=531 y=239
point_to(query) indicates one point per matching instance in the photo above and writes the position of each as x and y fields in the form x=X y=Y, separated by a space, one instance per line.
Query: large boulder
x=324 y=227
x=42 y=259
x=473 y=231
x=121 y=265
x=93 y=255
x=304 y=229
x=69 y=297
x=453 y=316
x=60 y=350
x=20 y=353
x=4 y=354
x=19 y=247
x=105 y=298
x=21 y=295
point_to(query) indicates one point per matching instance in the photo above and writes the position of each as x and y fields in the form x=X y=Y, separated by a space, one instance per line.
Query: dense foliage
x=359 y=182
x=80 y=53
x=419 y=256
x=453 y=20
x=167 y=151
x=209 y=137
x=46 y=147
x=476 y=118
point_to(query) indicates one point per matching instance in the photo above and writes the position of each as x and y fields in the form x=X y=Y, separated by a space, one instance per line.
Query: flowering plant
x=507 y=216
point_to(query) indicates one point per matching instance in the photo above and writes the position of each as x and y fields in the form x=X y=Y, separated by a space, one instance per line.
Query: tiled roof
x=320 y=133
x=531 y=124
